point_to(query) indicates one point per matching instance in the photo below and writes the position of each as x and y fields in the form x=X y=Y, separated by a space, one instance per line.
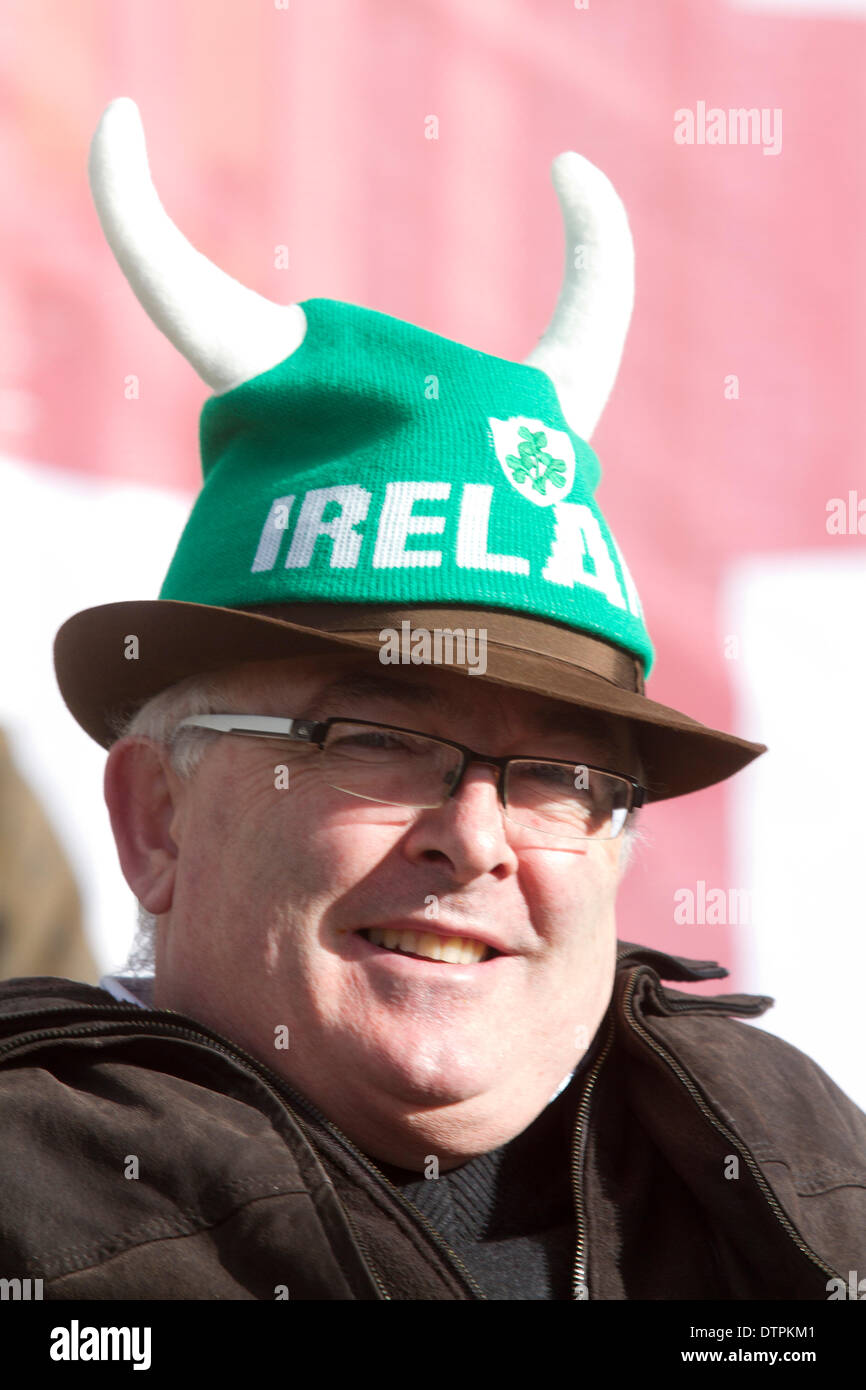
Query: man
x=375 y=757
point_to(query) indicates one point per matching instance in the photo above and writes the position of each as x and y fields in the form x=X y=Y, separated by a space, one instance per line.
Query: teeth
x=455 y=950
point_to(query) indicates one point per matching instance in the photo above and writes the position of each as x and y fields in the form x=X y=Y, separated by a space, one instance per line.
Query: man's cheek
x=567 y=880
x=350 y=839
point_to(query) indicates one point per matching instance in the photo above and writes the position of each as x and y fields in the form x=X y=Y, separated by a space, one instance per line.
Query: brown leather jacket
x=710 y=1160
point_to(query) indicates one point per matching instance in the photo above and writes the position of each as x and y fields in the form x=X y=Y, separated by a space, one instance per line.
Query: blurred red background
x=304 y=126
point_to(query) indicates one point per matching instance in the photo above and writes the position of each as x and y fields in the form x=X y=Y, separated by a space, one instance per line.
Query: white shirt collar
x=130 y=989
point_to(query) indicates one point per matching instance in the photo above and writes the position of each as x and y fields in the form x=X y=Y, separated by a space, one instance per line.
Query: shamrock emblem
x=532 y=461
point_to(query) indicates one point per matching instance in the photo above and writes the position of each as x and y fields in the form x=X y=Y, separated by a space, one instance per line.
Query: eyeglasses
x=400 y=767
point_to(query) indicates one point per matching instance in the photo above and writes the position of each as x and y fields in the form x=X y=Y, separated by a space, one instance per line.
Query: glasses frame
x=315 y=732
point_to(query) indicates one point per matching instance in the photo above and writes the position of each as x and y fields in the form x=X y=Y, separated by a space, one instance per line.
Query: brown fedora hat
x=177 y=640
x=320 y=405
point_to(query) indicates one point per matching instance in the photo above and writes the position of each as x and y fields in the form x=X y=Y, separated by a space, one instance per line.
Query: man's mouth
x=451 y=950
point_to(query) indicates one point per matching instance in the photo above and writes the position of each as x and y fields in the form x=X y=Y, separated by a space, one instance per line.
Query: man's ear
x=143 y=796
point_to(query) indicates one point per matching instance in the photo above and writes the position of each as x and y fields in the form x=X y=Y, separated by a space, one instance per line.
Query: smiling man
x=409 y=1054
x=381 y=1040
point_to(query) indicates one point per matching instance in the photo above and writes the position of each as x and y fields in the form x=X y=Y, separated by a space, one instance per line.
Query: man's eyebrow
x=361 y=685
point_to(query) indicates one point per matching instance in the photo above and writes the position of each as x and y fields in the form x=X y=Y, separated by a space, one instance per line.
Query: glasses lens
x=572 y=802
x=388 y=766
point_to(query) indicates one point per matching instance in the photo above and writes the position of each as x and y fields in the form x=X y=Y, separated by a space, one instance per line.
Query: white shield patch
x=537 y=460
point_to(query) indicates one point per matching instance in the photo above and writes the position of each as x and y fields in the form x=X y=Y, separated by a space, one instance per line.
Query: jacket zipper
x=580 y=1278
x=275 y=1085
x=579 y=1282
x=785 y=1222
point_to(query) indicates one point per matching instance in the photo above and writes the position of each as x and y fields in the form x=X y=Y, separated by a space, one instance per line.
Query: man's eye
x=549 y=775
x=373 y=741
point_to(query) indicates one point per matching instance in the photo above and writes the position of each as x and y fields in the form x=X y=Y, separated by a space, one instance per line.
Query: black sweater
x=509 y=1214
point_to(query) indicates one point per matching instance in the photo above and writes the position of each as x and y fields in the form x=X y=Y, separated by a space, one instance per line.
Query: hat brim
x=176 y=640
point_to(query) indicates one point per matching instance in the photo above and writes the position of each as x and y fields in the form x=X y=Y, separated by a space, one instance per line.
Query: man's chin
x=436 y=1079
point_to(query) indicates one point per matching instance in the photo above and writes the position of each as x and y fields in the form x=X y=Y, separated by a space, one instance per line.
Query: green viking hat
x=360 y=472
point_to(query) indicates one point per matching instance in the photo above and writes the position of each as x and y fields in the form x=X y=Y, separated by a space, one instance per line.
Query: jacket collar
x=666 y=966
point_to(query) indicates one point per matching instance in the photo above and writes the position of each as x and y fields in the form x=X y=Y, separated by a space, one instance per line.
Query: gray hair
x=215 y=692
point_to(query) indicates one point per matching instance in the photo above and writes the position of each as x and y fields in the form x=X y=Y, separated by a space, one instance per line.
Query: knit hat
x=364 y=476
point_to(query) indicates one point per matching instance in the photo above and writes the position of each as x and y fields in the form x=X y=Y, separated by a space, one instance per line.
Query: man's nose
x=482 y=783
x=469 y=830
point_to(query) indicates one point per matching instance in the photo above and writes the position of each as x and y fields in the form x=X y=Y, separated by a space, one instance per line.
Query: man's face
x=264 y=882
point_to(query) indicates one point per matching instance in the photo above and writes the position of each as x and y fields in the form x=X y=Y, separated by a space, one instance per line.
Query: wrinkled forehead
x=319 y=687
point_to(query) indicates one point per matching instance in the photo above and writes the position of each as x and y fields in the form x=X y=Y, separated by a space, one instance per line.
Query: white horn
x=227 y=332
x=583 y=344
